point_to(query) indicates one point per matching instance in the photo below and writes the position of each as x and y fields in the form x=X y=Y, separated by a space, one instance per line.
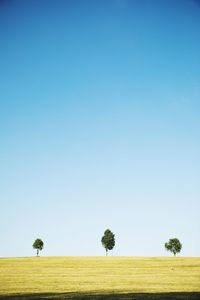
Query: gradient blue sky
x=99 y=125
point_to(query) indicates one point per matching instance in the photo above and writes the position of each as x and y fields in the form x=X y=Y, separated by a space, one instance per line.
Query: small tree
x=173 y=245
x=38 y=245
x=108 y=240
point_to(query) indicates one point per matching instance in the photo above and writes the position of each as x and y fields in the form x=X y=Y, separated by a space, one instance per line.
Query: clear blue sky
x=99 y=125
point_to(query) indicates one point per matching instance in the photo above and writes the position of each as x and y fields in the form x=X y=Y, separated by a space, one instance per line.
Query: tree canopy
x=173 y=245
x=38 y=245
x=108 y=240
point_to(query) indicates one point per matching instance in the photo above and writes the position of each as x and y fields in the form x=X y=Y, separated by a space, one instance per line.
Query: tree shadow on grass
x=114 y=296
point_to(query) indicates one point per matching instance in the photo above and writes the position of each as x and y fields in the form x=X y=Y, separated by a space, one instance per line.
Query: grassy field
x=100 y=278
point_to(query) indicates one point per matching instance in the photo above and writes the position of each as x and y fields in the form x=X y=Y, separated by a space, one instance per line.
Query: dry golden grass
x=100 y=275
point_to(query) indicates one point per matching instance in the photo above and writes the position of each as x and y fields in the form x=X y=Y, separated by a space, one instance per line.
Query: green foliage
x=38 y=245
x=108 y=240
x=173 y=246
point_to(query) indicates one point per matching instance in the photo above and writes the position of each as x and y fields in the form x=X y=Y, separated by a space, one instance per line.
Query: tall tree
x=38 y=245
x=173 y=245
x=108 y=240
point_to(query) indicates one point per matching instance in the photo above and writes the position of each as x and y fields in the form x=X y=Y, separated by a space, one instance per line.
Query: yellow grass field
x=100 y=278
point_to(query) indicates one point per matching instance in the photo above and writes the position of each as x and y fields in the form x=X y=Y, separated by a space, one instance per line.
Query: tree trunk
x=37 y=252
x=106 y=252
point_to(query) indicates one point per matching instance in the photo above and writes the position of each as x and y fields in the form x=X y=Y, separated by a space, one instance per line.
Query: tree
x=173 y=246
x=108 y=240
x=38 y=245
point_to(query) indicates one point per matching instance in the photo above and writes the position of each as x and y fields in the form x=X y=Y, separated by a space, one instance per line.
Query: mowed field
x=100 y=278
